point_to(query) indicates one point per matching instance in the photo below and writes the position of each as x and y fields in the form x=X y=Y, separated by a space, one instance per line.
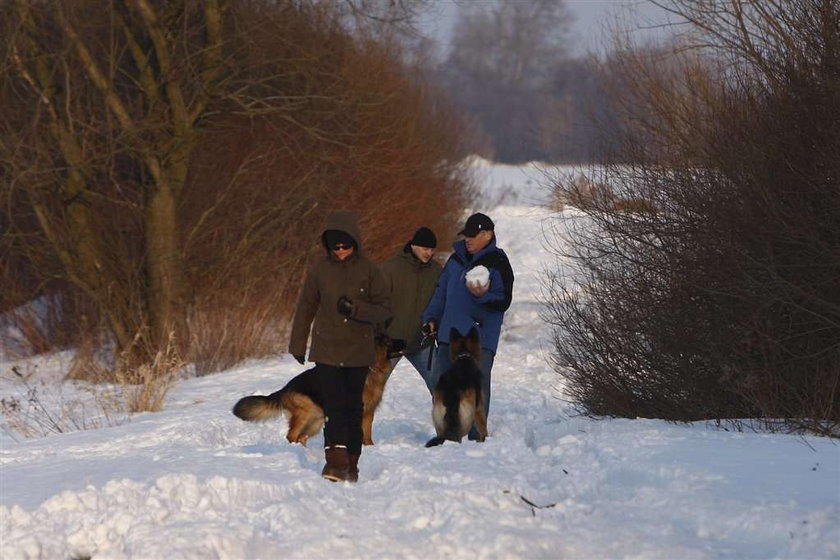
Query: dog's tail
x=258 y=408
x=437 y=440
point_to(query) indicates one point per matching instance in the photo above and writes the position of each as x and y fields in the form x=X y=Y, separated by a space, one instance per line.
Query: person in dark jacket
x=463 y=305
x=411 y=276
x=343 y=297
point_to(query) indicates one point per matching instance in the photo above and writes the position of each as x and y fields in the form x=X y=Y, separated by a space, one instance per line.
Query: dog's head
x=388 y=348
x=463 y=346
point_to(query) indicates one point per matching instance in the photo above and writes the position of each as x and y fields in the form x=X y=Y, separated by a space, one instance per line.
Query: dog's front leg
x=367 y=428
x=481 y=421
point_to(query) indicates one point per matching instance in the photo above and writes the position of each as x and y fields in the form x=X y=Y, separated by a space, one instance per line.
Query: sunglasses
x=341 y=247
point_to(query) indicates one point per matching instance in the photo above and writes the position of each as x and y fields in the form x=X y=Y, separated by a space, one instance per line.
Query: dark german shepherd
x=301 y=403
x=458 y=400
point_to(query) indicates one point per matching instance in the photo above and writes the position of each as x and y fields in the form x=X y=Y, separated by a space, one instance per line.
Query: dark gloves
x=345 y=306
x=301 y=360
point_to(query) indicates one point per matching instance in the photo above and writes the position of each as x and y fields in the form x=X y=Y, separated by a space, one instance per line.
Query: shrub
x=725 y=302
x=183 y=190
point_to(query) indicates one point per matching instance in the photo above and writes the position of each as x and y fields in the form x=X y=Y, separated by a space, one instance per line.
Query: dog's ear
x=396 y=347
x=473 y=343
x=454 y=335
x=472 y=336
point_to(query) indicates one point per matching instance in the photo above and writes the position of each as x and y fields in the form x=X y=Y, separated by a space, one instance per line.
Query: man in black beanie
x=411 y=276
x=425 y=238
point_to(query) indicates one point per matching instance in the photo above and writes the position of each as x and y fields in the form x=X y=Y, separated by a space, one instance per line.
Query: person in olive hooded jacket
x=343 y=297
x=411 y=276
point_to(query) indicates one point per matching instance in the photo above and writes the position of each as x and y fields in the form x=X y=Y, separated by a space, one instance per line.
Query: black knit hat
x=424 y=237
x=476 y=223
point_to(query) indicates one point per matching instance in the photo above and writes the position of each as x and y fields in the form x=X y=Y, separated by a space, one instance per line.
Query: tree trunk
x=164 y=268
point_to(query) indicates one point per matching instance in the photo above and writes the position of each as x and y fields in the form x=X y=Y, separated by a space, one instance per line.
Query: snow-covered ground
x=195 y=482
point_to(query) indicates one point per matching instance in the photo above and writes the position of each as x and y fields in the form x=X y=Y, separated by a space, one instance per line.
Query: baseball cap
x=476 y=223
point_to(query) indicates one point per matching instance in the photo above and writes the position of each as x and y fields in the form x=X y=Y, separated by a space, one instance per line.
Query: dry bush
x=227 y=332
x=106 y=396
x=392 y=158
x=725 y=302
x=583 y=192
x=43 y=410
x=635 y=205
x=35 y=313
x=145 y=386
x=203 y=220
x=92 y=361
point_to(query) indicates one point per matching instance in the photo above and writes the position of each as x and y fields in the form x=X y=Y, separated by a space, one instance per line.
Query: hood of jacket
x=343 y=220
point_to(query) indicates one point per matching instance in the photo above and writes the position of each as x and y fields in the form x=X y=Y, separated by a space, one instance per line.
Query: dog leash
x=431 y=353
x=432 y=344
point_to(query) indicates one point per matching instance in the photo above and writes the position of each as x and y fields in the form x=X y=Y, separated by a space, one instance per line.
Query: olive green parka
x=411 y=284
x=338 y=340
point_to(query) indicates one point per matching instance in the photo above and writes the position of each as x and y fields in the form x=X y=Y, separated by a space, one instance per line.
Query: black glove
x=300 y=359
x=345 y=306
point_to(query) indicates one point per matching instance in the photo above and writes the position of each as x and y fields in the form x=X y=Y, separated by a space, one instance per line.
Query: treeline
x=511 y=70
x=709 y=266
x=166 y=166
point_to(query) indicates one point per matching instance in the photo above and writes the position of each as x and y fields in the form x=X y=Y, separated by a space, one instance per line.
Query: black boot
x=338 y=463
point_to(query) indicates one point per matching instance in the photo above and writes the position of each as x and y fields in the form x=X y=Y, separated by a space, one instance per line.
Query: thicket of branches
x=717 y=295
x=166 y=167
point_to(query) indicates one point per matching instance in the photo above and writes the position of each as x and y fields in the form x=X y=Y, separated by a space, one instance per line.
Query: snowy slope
x=193 y=481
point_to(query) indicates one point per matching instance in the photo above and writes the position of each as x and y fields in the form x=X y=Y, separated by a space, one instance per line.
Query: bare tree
x=162 y=160
x=499 y=70
x=510 y=43
x=150 y=117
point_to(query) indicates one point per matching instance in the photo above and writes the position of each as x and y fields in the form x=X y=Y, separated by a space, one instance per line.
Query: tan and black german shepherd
x=458 y=400
x=301 y=403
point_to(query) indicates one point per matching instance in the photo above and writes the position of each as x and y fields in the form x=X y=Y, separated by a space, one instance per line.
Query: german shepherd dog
x=299 y=400
x=458 y=400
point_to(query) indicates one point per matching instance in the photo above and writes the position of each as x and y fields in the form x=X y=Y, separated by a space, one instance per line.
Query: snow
x=478 y=276
x=193 y=481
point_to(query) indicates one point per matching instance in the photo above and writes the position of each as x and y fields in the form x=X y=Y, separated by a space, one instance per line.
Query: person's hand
x=301 y=360
x=345 y=306
x=429 y=329
x=477 y=289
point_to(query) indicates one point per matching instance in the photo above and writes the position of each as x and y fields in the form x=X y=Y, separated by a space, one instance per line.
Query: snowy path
x=193 y=481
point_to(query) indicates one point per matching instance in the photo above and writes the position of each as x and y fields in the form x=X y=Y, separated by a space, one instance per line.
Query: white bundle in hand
x=478 y=277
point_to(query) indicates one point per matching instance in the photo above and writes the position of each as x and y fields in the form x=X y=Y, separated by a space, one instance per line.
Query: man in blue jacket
x=459 y=305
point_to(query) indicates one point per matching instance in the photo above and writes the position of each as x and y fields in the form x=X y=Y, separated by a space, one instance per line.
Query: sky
x=592 y=17
x=194 y=482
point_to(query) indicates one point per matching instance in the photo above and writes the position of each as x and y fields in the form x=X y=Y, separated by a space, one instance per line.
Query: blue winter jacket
x=453 y=306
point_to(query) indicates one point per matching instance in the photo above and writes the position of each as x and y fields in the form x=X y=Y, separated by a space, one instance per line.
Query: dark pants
x=341 y=389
